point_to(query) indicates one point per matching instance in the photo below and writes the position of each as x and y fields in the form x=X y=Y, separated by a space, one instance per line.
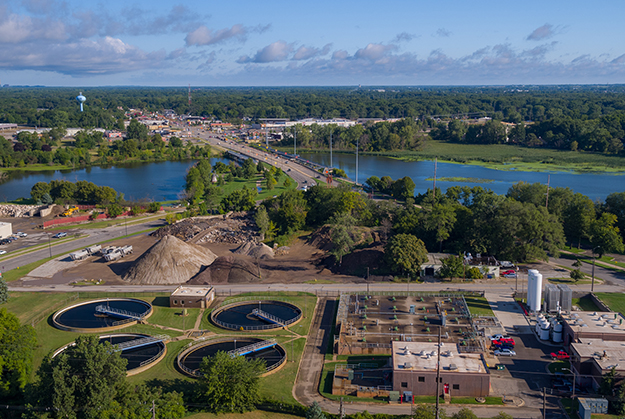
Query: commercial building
x=6 y=230
x=591 y=359
x=461 y=374
x=593 y=325
x=192 y=297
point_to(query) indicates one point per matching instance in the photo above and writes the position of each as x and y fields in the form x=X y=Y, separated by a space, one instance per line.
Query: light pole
x=574 y=381
x=592 y=284
x=49 y=245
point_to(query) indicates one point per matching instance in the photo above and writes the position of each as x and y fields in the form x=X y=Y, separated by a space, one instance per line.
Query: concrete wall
x=469 y=384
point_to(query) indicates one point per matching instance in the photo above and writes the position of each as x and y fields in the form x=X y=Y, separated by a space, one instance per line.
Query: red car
x=504 y=342
x=561 y=355
x=508 y=272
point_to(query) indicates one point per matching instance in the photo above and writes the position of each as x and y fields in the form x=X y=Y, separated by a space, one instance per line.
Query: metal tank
x=557 y=333
x=544 y=330
x=534 y=290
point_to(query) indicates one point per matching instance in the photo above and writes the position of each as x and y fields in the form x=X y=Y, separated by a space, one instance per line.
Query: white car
x=504 y=352
x=2 y=252
x=497 y=337
x=20 y=234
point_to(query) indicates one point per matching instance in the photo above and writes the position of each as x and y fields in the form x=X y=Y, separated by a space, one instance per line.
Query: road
x=94 y=236
x=302 y=175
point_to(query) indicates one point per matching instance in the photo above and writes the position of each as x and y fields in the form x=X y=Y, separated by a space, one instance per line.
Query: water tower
x=80 y=99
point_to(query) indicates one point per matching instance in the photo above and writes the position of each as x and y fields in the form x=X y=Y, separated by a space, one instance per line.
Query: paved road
x=95 y=236
x=302 y=175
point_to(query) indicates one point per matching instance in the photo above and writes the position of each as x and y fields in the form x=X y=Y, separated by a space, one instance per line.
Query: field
x=478 y=306
x=32 y=307
x=616 y=301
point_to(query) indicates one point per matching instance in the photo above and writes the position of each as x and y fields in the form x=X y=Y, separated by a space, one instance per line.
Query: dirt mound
x=257 y=251
x=234 y=228
x=321 y=238
x=169 y=261
x=227 y=269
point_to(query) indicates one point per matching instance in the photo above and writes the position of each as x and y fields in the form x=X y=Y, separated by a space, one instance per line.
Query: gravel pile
x=232 y=228
x=11 y=210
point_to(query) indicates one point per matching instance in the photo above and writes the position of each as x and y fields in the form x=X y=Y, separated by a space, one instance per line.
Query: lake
x=158 y=181
x=593 y=185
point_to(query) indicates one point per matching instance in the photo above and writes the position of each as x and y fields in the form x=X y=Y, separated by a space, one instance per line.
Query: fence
x=79 y=219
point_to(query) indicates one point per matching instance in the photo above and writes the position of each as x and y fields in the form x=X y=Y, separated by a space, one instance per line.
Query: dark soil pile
x=234 y=228
x=227 y=270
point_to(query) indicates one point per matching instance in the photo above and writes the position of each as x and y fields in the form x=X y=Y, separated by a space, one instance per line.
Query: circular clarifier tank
x=190 y=359
x=141 y=351
x=256 y=315
x=102 y=315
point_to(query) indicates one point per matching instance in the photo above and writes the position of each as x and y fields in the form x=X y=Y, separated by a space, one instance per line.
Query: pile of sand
x=257 y=251
x=227 y=269
x=169 y=261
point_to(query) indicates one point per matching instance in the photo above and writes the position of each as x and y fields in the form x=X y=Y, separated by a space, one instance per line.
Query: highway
x=302 y=175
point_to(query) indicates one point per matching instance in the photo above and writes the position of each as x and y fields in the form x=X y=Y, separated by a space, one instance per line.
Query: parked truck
x=114 y=255
x=93 y=249
x=126 y=250
x=79 y=255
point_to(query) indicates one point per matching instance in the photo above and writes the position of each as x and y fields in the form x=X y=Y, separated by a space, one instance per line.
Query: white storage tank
x=534 y=290
x=557 y=333
x=544 y=331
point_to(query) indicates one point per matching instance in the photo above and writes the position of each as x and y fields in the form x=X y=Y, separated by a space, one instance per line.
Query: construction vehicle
x=79 y=255
x=68 y=212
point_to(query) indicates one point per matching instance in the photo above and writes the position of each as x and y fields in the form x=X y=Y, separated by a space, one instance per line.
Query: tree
x=605 y=236
x=270 y=182
x=38 y=190
x=249 y=169
x=577 y=274
x=341 y=235
x=464 y=413
x=606 y=387
x=239 y=200
x=451 y=267
x=230 y=384
x=4 y=291
x=618 y=405
x=405 y=253
x=287 y=182
x=262 y=220
x=403 y=188
x=440 y=220
x=17 y=343
x=137 y=130
x=577 y=218
x=503 y=415
x=114 y=210
x=154 y=207
x=315 y=412
x=288 y=211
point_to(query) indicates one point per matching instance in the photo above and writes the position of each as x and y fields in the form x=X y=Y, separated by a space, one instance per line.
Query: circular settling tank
x=190 y=359
x=256 y=315
x=102 y=315
x=140 y=358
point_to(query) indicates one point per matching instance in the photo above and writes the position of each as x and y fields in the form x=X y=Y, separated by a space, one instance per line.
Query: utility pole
x=266 y=136
x=544 y=403
x=438 y=373
x=331 y=151
x=548 y=182
x=357 y=143
x=434 y=188
x=341 y=410
x=295 y=141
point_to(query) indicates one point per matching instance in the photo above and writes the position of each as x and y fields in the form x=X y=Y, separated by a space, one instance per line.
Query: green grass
x=28 y=305
x=171 y=317
x=107 y=223
x=614 y=300
x=478 y=306
x=559 y=366
x=585 y=304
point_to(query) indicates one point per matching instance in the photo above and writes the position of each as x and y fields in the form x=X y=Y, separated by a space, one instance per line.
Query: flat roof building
x=593 y=358
x=192 y=297
x=593 y=325
x=415 y=370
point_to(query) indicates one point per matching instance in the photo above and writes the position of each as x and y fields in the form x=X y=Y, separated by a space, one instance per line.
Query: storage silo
x=557 y=333
x=566 y=297
x=544 y=330
x=534 y=290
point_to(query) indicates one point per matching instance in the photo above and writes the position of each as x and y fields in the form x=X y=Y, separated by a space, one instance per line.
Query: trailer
x=79 y=255
x=106 y=250
x=126 y=250
x=93 y=249
x=114 y=255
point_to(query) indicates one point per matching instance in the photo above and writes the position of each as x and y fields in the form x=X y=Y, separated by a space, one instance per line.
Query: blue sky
x=321 y=43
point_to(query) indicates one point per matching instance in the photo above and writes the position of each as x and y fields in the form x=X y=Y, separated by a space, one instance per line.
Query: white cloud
x=205 y=36
x=374 y=52
x=442 y=33
x=305 y=53
x=16 y=29
x=277 y=51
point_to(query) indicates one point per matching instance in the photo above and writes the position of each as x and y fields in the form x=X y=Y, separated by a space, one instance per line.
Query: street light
x=592 y=284
x=574 y=381
x=49 y=245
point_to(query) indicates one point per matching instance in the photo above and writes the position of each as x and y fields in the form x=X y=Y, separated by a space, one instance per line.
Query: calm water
x=161 y=181
x=594 y=186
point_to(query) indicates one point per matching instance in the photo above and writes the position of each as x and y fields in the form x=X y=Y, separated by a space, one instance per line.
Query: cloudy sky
x=320 y=43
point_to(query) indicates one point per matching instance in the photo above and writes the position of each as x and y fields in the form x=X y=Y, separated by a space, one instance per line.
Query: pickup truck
x=560 y=355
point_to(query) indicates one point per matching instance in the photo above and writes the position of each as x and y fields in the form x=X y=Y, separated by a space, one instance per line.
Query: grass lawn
x=478 y=306
x=256 y=414
x=585 y=303
x=108 y=223
x=171 y=317
x=614 y=300
x=558 y=366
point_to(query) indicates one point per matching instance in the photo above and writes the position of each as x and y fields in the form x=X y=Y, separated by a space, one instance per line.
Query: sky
x=319 y=43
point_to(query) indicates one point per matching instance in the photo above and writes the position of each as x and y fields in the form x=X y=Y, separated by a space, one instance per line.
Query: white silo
x=557 y=333
x=544 y=330
x=534 y=290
